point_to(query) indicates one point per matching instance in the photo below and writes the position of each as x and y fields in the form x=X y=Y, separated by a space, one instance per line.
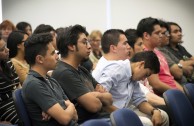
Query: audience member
x=175 y=42
x=43 y=28
x=135 y=42
x=119 y=76
x=150 y=31
x=6 y=27
x=95 y=42
x=177 y=67
x=9 y=81
x=176 y=48
x=43 y=96
x=137 y=45
x=81 y=88
x=88 y=64
x=15 y=43
x=24 y=26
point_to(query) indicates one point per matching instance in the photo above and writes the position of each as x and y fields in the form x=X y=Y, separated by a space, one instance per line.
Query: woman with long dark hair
x=15 y=44
x=9 y=81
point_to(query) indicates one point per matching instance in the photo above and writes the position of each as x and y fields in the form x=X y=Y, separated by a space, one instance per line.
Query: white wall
x=0 y=10
x=94 y=14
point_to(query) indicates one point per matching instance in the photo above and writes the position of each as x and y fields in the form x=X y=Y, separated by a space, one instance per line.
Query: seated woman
x=15 y=44
x=9 y=81
x=6 y=27
x=95 y=42
x=24 y=26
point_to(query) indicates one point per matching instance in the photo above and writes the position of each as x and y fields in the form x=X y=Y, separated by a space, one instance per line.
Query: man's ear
x=71 y=47
x=113 y=48
x=141 y=64
x=146 y=35
x=39 y=59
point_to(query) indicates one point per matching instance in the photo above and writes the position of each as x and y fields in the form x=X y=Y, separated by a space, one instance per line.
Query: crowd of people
x=69 y=76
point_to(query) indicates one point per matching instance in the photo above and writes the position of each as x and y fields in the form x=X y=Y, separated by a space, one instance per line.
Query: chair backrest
x=180 y=109
x=125 y=117
x=96 y=122
x=189 y=91
x=24 y=119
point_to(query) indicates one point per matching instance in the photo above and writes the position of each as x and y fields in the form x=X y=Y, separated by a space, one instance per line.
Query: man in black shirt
x=42 y=94
x=81 y=88
x=183 y=57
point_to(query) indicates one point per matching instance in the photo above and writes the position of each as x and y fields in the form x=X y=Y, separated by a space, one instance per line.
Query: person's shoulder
x=180 y=46
x=122 y=63
x=30 y=79
x=9 y=63
x=62 y=66
x=115 y=67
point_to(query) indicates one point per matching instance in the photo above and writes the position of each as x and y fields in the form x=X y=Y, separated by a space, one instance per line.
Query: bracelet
x=152 y=112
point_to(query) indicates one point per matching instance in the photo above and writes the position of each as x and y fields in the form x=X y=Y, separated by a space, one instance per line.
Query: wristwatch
x=180 y=65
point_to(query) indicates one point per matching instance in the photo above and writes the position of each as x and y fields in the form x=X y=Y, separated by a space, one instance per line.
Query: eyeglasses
x=85 y=42
x=166 y=33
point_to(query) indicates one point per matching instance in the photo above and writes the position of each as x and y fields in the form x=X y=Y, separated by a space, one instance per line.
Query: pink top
x=164 y=74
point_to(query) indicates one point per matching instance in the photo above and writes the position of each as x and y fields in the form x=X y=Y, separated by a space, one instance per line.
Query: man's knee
x=146 y=121
x=165 y=118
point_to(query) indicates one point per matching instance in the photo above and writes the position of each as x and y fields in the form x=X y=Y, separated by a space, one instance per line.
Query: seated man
x=178 y=54
x=81 y=88
x=136 y=44
x=180 y=69
x=150 y=31
x=120 y=77
x=42 y=94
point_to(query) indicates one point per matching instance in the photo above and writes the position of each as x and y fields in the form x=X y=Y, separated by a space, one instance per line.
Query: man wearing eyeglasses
x=81 y=88
x=149 y=29
x=180 y=69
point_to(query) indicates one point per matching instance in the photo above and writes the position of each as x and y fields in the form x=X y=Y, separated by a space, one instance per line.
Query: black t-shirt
x=39 y=95
x=181 y=53
x=76 y=83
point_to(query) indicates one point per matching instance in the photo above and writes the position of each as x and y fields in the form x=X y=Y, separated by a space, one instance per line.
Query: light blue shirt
x=115 y=76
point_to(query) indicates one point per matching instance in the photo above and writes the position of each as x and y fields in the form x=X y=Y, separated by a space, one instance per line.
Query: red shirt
x=164 y=74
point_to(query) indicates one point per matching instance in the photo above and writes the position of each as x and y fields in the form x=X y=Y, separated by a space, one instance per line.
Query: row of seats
x=120 y=117
x=181 y=106
x=181 y=110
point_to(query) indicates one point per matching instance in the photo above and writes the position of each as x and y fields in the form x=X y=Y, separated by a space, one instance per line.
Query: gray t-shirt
x=39 y=95
x=171 y=59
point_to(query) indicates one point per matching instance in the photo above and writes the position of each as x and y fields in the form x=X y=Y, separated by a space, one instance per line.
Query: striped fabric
x=7 y=86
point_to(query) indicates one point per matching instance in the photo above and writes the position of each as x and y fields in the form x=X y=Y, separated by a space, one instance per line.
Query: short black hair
x=110 y=37
x=146 y=25
x=43 y=28
x=163 y=24
x=13 y=40
x=150 y=59
x=132 y=36
x=36 y=44
x=70 y=36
